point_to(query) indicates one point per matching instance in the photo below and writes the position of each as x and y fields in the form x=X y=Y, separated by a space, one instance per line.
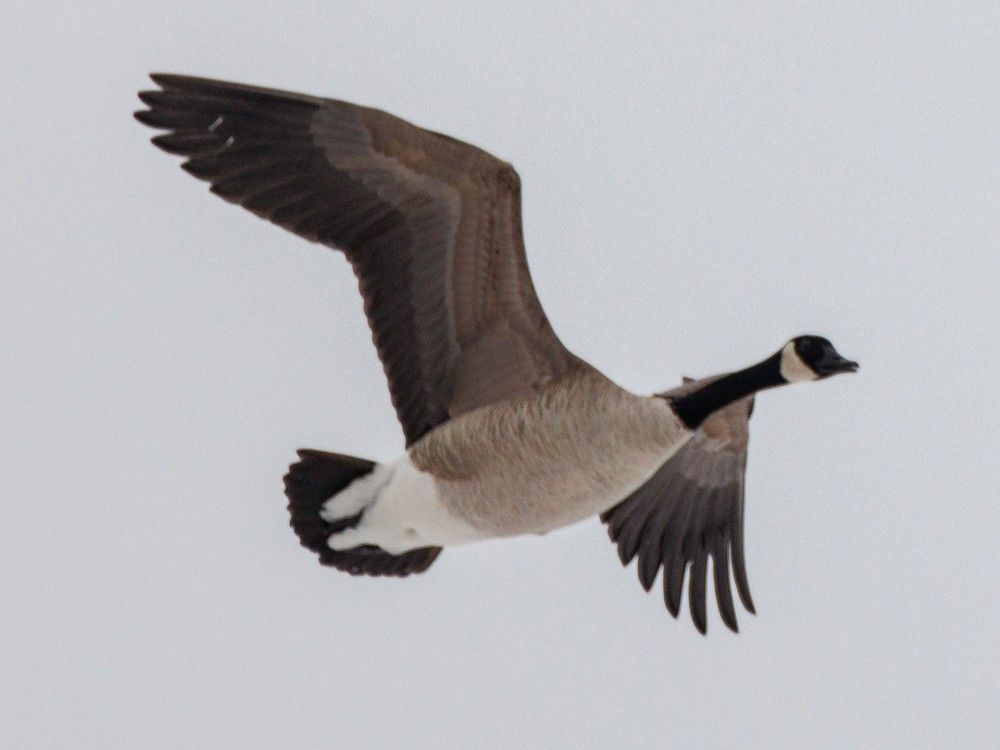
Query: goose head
x=811 y=358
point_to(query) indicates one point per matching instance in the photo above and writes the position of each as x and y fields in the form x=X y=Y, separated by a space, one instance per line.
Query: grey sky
x=700 y=183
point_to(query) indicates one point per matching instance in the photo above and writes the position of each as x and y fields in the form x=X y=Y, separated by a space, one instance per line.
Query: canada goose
x=507 y=432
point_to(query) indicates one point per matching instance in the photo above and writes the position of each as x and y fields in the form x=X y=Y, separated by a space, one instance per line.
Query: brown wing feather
x=431 y=226
x=689 y=510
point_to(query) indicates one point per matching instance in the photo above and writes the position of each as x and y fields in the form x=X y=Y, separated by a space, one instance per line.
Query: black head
x=812 y=358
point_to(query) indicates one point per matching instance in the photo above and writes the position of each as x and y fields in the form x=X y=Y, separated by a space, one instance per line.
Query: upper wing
x=690 y=509
x=431 y=226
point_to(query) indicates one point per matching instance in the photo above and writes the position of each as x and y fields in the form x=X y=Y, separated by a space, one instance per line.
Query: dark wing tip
x=719 y=550
x=212 y=87
x=146 y=117
x=740 y=569
x=743 y=585
x=163 y=79
x=648 y=566
x=673 y=584
x=177 y=80
x=696 y=591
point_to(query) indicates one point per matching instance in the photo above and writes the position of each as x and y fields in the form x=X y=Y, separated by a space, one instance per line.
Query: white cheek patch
x=793 y=369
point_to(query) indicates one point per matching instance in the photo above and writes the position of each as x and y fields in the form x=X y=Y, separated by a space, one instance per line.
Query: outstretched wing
x=689 y=510
x=431 y=226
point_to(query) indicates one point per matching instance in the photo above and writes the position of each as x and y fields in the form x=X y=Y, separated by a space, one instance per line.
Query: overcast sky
x=700 y=184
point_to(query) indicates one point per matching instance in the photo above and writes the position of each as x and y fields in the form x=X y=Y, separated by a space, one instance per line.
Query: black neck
x=694 y=408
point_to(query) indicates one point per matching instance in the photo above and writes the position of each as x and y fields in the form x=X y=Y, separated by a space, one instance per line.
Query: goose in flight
x=507 y=432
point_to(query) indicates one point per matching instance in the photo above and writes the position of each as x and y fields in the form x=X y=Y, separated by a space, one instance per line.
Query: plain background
x=701 y=182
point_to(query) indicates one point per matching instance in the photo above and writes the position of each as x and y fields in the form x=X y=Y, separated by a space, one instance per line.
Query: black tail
x=312 y=481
